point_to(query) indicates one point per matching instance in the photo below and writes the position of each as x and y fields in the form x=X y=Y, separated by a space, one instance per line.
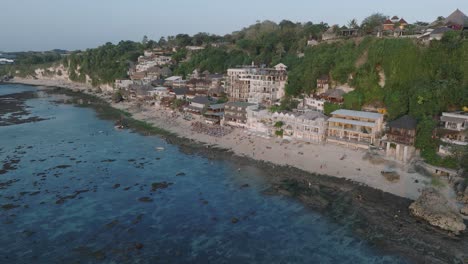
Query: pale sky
x=81 y=24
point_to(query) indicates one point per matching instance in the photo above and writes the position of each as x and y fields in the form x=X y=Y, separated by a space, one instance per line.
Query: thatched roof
x=457 y=18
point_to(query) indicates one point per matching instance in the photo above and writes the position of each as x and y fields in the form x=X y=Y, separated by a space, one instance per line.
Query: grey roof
x=180 y=91
x=360 y=114
x=336 y=93
x=312 y=115
x=452 y=119
x=351 y=122
x=440 y=30
x=202 y=100
x=239 y=104
x=405 y=122
x=217 y=106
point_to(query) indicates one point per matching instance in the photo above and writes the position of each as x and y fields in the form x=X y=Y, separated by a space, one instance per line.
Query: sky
x=79 y=24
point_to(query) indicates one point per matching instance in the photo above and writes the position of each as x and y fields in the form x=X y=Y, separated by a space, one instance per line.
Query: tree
x=162 y=42
x=145 y=40
x=373 y=21
x=353 y=24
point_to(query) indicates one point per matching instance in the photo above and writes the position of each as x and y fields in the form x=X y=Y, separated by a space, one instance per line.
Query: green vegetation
x=27 y=62
x=437 y=182
x=104 y=64
x=279 y=124
x=264 y=43
x=279 y=133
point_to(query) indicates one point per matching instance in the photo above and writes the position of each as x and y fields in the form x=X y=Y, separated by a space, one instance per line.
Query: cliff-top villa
x=454 y=131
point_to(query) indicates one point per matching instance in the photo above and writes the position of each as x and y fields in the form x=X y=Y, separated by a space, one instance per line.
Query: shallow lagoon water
x=92 y=177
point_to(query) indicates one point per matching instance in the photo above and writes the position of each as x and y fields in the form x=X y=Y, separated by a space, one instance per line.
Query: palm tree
x=353 y=24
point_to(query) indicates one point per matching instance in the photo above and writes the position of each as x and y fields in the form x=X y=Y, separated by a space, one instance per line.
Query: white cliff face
x=60 y=74
x=434 y=208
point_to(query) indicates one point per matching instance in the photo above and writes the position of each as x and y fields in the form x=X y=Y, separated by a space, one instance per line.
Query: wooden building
x=401 y=136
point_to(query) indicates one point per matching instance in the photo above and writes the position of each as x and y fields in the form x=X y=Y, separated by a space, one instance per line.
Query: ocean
x=73 y=189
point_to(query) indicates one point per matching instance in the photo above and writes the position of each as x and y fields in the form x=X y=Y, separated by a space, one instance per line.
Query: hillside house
x=333 y=96
x=355 y=129
x=174 y=81
x=312 y=103
x=323 y=83
x=454 y=131
x=180 y=93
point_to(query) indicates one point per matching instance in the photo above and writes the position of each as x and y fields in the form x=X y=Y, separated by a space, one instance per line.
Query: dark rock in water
x=127 y=188
x=234 y=220
x=245 y=185
x=139 y=246
x=116 y=186
x=73 y=196
x=34 y=193
x=28 y=233
x=62 y=167
x=9 y=206
x=138 y=219
x=4 y=185
x=180 y=174
x=160 y=185
x=108 y=160
x=88 y=252
x=112 y=224
x=145 y=199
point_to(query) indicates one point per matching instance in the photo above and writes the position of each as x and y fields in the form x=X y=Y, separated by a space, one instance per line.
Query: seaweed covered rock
x=434 y=208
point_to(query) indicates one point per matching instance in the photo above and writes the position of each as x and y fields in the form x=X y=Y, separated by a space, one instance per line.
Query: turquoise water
x=73 y=153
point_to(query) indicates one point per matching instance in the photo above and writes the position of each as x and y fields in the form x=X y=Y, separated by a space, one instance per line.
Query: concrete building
x=355 y=129
x=310 y=126
x=257 y=85
x=235 y=113
x=454 y=131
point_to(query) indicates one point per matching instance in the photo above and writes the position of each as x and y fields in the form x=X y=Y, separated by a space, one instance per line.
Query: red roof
x=388 y=22
x=402 y=21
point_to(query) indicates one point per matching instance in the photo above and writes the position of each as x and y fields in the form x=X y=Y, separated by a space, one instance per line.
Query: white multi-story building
x=313 y=103
x=454 y=131
x=257 y=85
x=310 y=126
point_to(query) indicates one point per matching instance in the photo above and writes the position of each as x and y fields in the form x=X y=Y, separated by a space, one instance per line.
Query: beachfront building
x=235 y=113
x=310 y=126
x=199 y=104
x=355 y=129
x=259 y=121
x=256 y=85
x=400 y=139
x=454 y=131
x=214 y=113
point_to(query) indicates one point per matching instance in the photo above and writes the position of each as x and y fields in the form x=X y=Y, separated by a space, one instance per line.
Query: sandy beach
x=326 y=159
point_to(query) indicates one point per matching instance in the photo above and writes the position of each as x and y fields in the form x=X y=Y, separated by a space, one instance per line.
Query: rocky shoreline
x=380 y=218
